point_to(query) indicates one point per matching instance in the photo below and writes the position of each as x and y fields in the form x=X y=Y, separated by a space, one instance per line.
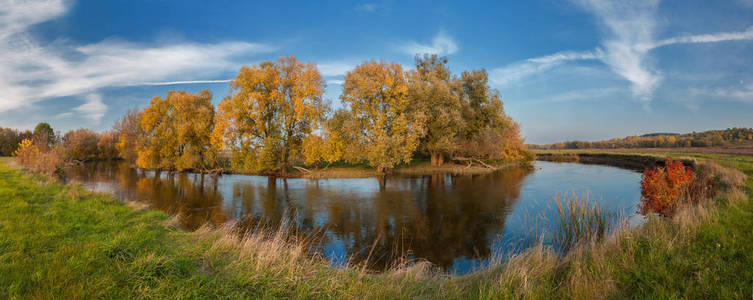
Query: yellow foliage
x=386 y=129
x=272 y=108
x=176 y=132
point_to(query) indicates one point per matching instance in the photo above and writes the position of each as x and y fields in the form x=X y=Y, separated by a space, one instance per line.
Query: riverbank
x=632 y=161
x=416 y=167
x=61 y=241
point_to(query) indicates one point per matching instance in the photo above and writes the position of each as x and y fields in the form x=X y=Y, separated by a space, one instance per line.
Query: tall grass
x=579 y=219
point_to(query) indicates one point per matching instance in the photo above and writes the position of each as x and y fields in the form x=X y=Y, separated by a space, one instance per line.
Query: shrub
x=29 y=156
x=662 y=188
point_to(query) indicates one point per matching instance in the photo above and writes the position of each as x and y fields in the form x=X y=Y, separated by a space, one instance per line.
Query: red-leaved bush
x=662 y=188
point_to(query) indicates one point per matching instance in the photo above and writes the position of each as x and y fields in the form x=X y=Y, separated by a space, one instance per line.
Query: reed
x=579 y=219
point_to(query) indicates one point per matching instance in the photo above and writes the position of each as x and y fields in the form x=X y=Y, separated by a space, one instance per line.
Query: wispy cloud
x=30 y=71
x=628 y=24
x=517 y=71
x=629 y=28
x=441 y=44
x=704 y=38
x=93 y=109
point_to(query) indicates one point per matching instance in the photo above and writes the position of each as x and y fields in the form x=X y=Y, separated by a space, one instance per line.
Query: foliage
x=272 y=108
x=31 y=156
x=176 y=132
x=81 y=144
x=488 y=133
x=385 y=129
x=436 y=94
x=107 y=145
x=711 y=138
x=662 y=188
x=10 y=138
x=44 y=136
x=127 y=130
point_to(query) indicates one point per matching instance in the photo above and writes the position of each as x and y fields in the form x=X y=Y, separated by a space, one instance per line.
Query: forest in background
x=729 y=137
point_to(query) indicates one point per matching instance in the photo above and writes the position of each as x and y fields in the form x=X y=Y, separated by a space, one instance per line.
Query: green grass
x=62 y=242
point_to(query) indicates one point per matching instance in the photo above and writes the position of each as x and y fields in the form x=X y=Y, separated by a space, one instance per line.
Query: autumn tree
x=334 y=143
x=127 y=132
x=272 y=108
x=176 y=132
x=44 y=136
x=80 y=144
x=10 y=138
x=488 y=132
x=436 y=95
x=386 y=130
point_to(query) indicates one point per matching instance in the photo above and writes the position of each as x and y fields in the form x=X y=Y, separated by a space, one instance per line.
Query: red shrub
x=662 y=188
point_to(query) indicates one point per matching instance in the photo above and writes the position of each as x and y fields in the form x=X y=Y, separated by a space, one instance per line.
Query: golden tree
x=176 y=132
x=386 y=130
x=272 y=108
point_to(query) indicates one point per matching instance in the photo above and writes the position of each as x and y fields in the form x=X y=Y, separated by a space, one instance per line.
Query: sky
x=565 y=70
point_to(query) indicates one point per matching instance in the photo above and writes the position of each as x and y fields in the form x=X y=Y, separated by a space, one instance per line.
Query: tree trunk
x=436 y=158
x=380 y=169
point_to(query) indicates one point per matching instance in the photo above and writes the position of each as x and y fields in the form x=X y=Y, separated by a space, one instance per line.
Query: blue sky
x=581 y=69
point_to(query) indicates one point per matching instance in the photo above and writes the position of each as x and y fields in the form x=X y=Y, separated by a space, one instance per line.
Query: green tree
x=386 y=130
x=435 y=94
x=44 y=135
x=176 y=132
x=488 y=132
x=272 y=108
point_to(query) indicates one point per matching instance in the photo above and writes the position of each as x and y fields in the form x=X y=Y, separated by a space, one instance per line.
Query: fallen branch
x=302 y=169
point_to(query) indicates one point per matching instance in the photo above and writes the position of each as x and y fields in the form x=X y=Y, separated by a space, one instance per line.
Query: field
x=59 y=241
x=746 y=151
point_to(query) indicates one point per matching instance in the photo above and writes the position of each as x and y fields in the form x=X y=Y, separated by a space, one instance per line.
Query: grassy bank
x=60 y=241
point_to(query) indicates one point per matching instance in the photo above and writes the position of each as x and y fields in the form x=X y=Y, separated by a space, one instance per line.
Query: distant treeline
x=275 y=117
x=711 y=138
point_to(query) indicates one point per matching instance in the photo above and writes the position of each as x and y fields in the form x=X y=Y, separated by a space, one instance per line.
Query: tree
x=272 y=108
x=386 y=130
x=176 y=132
x=44 y=135
x=335 y=142
x=488 y=133
x=435 y=94
x=128 y=131
x=80 y=144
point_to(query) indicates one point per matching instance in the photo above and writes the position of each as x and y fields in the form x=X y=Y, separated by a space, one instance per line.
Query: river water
x=457 y=222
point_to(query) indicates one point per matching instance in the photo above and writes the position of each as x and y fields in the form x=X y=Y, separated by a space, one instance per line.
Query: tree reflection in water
x=439 y=218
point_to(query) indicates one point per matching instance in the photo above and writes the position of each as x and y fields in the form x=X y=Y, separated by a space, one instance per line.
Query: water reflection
x=454 y=222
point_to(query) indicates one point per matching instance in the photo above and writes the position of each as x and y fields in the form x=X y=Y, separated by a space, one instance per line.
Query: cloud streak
x=31 y=72
x=629 y=29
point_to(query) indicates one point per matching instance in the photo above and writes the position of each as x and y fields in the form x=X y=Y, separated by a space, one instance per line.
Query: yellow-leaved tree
x=272 y=108
x=386 y=128
x=176 y=131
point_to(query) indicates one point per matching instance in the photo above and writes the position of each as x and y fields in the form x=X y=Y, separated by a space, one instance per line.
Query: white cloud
x=336 y=81
x=30 y=71
x=441 y=44
x=336 y=68
x=630 y=35
x=628 y=24
x=93 y=109
x=516 y=71
x=704 y=38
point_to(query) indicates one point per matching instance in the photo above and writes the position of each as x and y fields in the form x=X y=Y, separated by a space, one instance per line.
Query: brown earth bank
x=637 y=162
